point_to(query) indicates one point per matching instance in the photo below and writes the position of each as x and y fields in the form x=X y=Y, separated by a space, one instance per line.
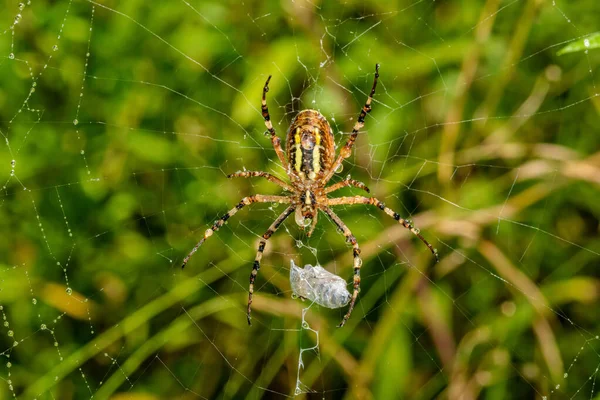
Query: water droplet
x=305 y=325
x=75 y=121
x=82 y=152
x=13 y=162
x=17 y=18
x=34 y=301
x=417 y=230
x=55 y=344
x=8 y=364
x=11 y=56
x=69 y=290
x=54 y=48
x=43 y=327
x=557 y=386
x=565 y=375
x=339 y=169
x=586 y=42
x=6 y=323
x=11 y=333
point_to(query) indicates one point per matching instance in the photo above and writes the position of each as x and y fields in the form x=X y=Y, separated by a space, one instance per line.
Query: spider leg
x=357 y=260
x=258 y=198
x=274 y=179
x=275 y=140
x=347 y=182
x=347 y=149
x=259 y=253
x=375 y=202
x=312 y=225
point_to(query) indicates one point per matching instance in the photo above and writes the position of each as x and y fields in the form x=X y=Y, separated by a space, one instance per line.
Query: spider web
x=121 y=122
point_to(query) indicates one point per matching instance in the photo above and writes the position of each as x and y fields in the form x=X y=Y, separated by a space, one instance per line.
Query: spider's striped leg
x=275 y=140
x=360 y=122
x=259 y=253
x=258 y=198
x=313 y=225
x=375 y=202
x=357 y=260
x=274 y=179
x=347 y=182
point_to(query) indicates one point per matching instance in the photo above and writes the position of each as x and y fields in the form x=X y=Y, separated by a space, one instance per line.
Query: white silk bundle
x=319 y=285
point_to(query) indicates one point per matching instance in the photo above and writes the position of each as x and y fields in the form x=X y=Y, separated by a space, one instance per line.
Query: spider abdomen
x=309 y=144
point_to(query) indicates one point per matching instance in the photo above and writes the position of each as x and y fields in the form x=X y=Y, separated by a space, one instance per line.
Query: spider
x=310 y=163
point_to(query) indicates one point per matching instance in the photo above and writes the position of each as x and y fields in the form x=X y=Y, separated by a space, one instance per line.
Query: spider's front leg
x=259 y=253
x=275 y=140
x=357 y=260
x=258 y=198
x=379 y=204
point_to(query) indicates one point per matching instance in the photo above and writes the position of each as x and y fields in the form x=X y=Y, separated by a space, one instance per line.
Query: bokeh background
x=121 y=121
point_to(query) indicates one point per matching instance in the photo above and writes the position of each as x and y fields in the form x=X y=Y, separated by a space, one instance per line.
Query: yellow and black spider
x=309 y=163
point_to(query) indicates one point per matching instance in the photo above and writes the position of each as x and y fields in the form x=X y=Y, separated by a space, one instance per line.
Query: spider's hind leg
x=266 y=175
x=360 y=123
x=345 y=183
x=275 y=140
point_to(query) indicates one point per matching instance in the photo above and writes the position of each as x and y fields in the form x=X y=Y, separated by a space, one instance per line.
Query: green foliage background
x=480 y=132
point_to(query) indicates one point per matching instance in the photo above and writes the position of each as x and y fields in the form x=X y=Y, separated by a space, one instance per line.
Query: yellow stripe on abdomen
x=316 y=152
x=298 y=145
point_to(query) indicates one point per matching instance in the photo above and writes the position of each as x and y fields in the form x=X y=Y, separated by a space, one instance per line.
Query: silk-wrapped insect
x=319 y=285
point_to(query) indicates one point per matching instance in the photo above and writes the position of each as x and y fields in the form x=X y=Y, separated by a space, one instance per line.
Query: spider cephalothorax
x=310 y=163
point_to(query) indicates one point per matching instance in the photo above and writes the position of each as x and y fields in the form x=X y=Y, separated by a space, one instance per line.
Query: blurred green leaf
x=394 y=367
x=590 y=42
